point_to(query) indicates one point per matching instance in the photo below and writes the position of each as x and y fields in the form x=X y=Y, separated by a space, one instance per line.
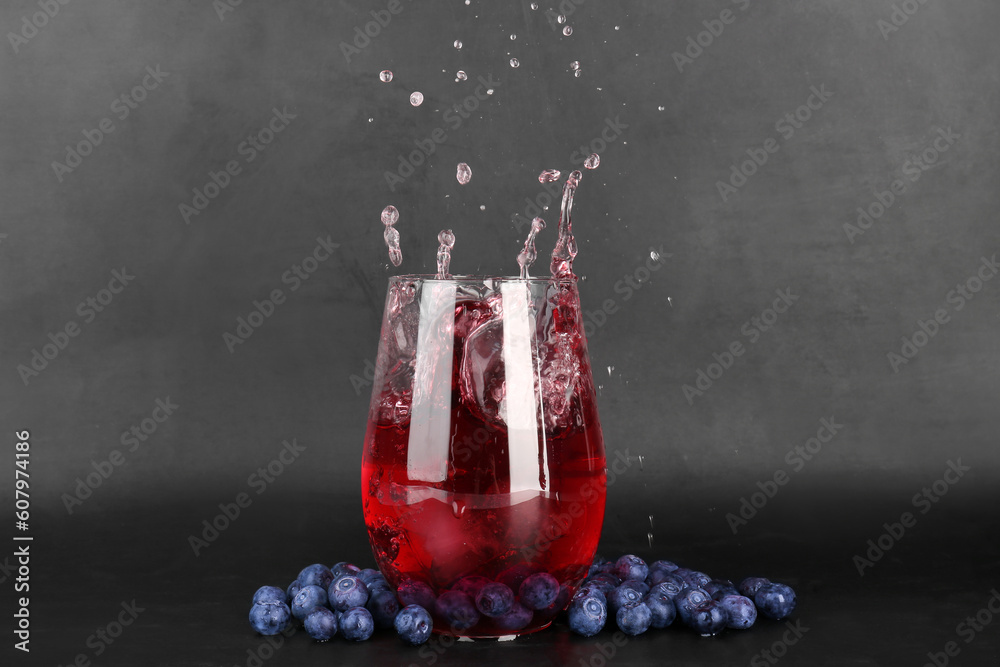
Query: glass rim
x=479 y=279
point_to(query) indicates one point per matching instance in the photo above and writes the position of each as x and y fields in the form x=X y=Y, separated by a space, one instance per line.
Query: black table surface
x=927 y=594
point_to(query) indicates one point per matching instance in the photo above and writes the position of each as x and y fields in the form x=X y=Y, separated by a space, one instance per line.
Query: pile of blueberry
x=354 y=602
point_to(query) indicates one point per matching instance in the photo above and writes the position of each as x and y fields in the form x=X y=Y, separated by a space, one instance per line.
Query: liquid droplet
x=392 y=242
x=561 y=19
x=653 y=255
x=618 y=27
x=593 y=161
x=578 y=73
x=534 y=6
x=549 y=175
x=514 y=62
x=385 y=75
x=650 y=537
x=458 y=43
x=482 y=207
x=489 y=91
x=463 y=173
x=640 y=461
x=390 y=215
x=461 y=76
x=575 y=65
x=513 y=37
x=528 y=255
x=458 y=508
x=565 y=250
x=416 y=98
x=446 y=241
x=568 y=30
x=670 y=302
x=610 y=368
x=661 y=108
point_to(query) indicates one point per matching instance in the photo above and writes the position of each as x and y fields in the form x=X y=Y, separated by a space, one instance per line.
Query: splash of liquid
x=527 y=257
x=549 y=175
x=446 y=241
x=390 y=215
x=565 y=250
x=593 y=161
x=463 y=173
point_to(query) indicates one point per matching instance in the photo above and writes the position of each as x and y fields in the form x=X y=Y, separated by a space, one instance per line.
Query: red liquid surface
x=471 y=523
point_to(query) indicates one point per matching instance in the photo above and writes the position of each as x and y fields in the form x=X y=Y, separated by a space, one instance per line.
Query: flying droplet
x=463 y=174
x=534 y=5
x=568 y=30
x=549 y=175
x=390 y=215
x=575 y=65
x=561 y=19
x=482 y=207
x=618 y=27
x=578 y=73
x=446 y=237
x=593 y=161
x=661 y=108
x=653 y=255
x=416 y=98
x=385 y=75
x=489 y=91
x=458 y=43
x=461 y=76
x=371 y=120
x=513 y=37
x=514 y=62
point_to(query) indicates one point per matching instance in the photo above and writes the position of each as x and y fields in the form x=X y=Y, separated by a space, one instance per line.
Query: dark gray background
x=299 y=375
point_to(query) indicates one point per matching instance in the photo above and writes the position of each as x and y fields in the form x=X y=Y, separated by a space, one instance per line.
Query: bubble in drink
x=458 y=43
x=514 y=62
x=463 y=173
x=461 y=76
x=568 y=30
x=565 y=250
x=527 y=257
x=446 y=241
x=593 y=161
x=385 y=75
x=549 y=175
x=392 y=242
x=416 y=98
x=575 y=65
x=390 y=215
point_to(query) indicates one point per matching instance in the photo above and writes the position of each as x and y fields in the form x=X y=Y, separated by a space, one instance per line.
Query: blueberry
x=495 y=599
x=471 y=585
x=558 y=604
x=671 y=587
x=292 y=591
x=749 y=586
x=693 y=578
x=270 y=619
x=307 y=599
x=595 y=565
x=347 y=592
x=342 y=568
x=591 y=590
x=622 y=596
x=457 y=609
x=661 y=607
x=719 y=588
x=688 y=600
x=413 y=624
x=316 y=575
x=321 y=624
x=740 y=611
x=357 y=624
x=269 y=595
x=383 y=607
x=631 y=567
x=414 y=591
x=368 y=574
x=377 y=585
x=634 y=618
x=539 y=590
x=516 y=618
x=587 y=615
x=708 y=618
x=605 y=582
x=640 y=586
x=513 y=577
x=658 y=570
x=775 y=601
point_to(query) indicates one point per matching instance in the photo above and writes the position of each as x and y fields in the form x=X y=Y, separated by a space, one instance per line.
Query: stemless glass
x=484 y=460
